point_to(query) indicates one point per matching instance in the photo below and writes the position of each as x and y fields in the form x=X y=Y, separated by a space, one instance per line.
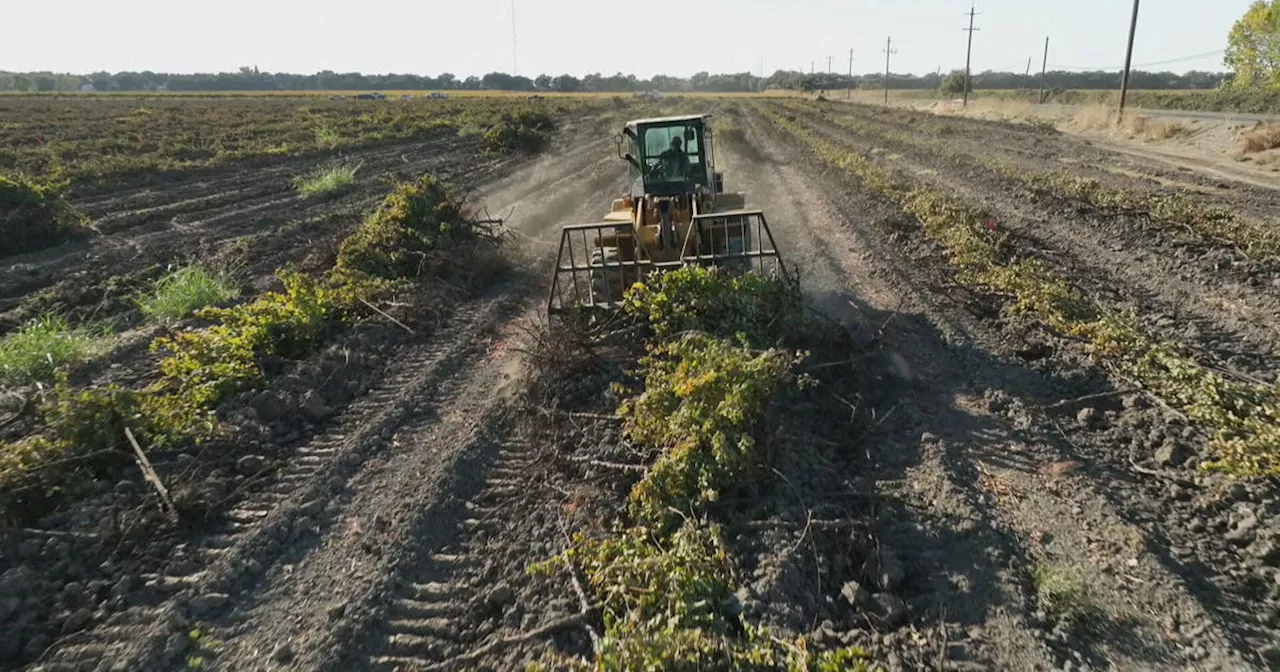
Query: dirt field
x=1015 y=499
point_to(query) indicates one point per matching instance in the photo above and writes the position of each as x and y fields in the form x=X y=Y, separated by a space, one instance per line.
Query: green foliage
x=666 y=584
x=326 y=180
x=415 y=222
x=668 y=605
x=953 y=84
x=525 y=130
x=35 y=216
x=204 y=366
x=1063 y=593
x=83 y=439
x=646 y=586
x=713 y=301
x=702 y=403
x=187 y=289
x=39 y=348
x=1253 y=47
x=698 y=650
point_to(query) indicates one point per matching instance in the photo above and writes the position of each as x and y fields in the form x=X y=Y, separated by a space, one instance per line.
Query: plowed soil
x=391 y=527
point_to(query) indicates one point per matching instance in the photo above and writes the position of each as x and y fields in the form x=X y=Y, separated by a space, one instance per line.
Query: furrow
x=251 y=535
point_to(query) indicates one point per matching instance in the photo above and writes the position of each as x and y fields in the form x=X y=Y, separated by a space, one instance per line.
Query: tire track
x=139 y=637
x=409 y=601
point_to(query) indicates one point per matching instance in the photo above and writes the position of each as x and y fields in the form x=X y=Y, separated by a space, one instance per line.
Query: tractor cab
x=668 y=156
x=675 y=214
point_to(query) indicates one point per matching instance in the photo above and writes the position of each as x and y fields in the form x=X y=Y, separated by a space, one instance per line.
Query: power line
x=1182 y=59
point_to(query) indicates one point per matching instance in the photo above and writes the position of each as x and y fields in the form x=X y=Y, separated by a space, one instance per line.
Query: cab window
x=660 y=161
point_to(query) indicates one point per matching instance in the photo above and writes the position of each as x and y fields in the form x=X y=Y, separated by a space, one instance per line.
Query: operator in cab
x=675 y=163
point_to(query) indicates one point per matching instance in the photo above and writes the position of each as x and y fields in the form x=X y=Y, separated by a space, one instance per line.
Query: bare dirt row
x=1008 y=480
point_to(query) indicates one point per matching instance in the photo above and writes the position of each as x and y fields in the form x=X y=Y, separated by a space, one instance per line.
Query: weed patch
x=328 y=137
x=326 y=181
x=39 y=348
x=1063 y=593
x=35 y=216
x=187 y=289
x=203 y=367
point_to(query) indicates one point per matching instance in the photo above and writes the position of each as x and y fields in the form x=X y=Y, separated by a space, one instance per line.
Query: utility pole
x=1128 y=58
x=829 y=70
x=515 y=64
x=762 y=74
x=888 y=51
x=1044 y=68
x=969 y=52
x=848 y=92
x=1026 y=78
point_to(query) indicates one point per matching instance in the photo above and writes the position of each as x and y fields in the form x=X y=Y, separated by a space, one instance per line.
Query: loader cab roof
x=635 y=124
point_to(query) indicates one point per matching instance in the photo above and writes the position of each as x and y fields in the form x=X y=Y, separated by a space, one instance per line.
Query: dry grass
x=1134 y=126
x=1154 y=129
x=1261 y=139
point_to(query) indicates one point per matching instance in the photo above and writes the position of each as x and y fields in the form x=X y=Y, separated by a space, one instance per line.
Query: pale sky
x=644 y=37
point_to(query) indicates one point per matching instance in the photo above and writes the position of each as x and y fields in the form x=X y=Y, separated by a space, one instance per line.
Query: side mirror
x=689 y=134
x=617 y=140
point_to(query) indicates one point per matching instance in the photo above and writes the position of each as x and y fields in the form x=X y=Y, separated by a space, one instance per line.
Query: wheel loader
x=675 y=214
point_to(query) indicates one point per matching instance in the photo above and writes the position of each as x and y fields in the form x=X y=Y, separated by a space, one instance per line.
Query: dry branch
x=550 y=628
x=149 y=473
x=1081 y=400
x=379 y=311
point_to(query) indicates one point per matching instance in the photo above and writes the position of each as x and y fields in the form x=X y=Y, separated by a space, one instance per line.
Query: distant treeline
x=250 y=79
